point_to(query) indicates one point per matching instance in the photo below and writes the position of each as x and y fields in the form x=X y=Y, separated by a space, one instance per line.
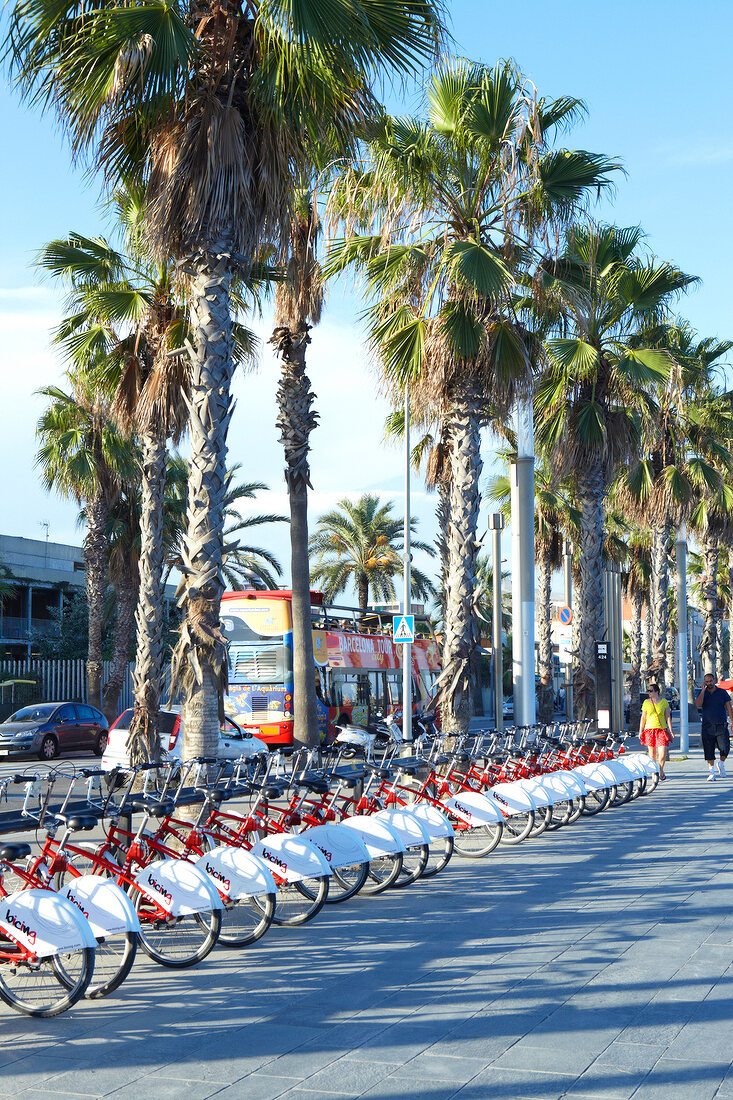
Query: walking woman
x=655 y=728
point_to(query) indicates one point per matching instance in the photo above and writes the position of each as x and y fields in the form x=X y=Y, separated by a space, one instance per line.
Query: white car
x=233 y=741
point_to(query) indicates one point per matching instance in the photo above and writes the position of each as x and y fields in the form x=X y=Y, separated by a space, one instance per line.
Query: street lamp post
x=567 y=551
x=407 y=586
x=522 y=504
x=680 y=554
x=496 y=526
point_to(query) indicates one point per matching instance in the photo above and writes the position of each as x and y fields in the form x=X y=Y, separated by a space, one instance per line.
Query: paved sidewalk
x=593 y=962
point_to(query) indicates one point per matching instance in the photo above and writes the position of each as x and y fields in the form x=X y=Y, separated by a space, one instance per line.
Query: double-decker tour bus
x=357 y=668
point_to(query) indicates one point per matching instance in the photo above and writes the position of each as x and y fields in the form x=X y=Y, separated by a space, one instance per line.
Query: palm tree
x=556 y=519
x=128 y=310
x=82 y=456
x=241 y=563
x=360 y=543
x=219 y=108
x=679 y=445
x=597 y=294
x=637 y=578
x=123 y=533
x=298 y=303
x=453 y=204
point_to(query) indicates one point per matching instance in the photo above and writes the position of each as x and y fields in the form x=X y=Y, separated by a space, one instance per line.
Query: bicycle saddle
x=315 y=783
x=377 y=769
x=77 y=821
x=13 y=852
x=157 y=809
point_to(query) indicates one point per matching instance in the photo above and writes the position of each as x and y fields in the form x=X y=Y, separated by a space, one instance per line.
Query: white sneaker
x=712 y=776
x=721 y=769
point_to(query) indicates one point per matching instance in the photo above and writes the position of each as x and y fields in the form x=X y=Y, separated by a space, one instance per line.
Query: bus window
x=394 y=688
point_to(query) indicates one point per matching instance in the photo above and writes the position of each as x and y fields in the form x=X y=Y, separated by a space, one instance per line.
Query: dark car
x=46 y=729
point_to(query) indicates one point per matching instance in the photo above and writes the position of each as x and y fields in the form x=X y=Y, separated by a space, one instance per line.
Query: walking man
x=716 y=710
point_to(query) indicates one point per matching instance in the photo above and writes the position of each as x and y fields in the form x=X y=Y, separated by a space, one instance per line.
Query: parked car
x=508 y=708
x=233 y=740
x=46 y=729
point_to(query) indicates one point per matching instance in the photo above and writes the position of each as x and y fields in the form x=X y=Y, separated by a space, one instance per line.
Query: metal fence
x=54 y=680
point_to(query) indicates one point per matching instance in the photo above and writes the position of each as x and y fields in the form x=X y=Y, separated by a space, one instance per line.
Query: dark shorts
x=715 y=733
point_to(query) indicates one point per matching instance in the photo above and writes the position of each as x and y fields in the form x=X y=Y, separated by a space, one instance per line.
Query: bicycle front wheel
x=46 y=987
x=542 y=819
x=346 y=882
x=479 y=842
x=518 y=827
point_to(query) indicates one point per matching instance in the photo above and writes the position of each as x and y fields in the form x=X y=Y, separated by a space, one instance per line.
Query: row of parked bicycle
x=217 y=851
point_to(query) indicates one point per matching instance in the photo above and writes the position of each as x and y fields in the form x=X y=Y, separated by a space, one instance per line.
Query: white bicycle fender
x=179 y=887
x=592 y=781
x=104 y=904
x=341 y=847
x=646 y=764
x=600 y=773
x=511 y=798
x=292 y=857
x=236 y=873
x=433 y=820
x=45 y=923
x=408 y=827
x=544 y=793
x=619 y=769
x=378 y=838
x=573 y=782
x=630 y=761
x=474 y=809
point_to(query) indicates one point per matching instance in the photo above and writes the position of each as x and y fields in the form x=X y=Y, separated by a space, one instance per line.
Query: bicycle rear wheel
x=479 y=842
x=595 y=801
x=46 y=987
x=623 y=793
x=346 y=882
x=246 y=921
x=177 y=942
x=298 y=902
x=559 y=814
x=414 y=862
x=382 y=873
x=517 y=827
x=542 y=819
x=439 y=854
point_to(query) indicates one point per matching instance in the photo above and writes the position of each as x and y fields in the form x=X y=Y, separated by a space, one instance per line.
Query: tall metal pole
x=407 y=583
x=618 y=615
x=522 y=504
x=680 y=555
x=496 y=525
x=568 y=576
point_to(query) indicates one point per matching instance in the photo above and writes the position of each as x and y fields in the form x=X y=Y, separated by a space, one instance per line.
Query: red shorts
x=655 y=738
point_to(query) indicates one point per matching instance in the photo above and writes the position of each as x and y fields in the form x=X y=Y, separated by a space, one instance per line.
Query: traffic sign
x=403 y=628
x=566 y=616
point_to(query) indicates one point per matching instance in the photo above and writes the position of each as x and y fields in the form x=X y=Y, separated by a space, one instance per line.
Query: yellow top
x=655 y=714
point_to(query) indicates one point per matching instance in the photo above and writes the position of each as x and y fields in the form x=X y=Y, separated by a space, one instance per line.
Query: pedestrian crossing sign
x=403 y=628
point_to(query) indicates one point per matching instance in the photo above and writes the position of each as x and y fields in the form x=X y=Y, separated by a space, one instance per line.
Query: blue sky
x=655 y=79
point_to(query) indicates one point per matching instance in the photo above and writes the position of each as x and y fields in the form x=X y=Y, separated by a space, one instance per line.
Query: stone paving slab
x=594 y=962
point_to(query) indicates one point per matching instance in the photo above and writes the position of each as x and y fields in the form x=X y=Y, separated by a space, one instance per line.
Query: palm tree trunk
x=442 y=514
x=544 y=609
x=545 y=692
x=589 y=599
x=142 y=740
x=95 y=564
x=462 y=428
x=200 y=660
x=647 y=656
x=661 y=541
x=363 y=592
x=709 y=640
x=126 y=590
x=296 y=420
x=637 y=601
